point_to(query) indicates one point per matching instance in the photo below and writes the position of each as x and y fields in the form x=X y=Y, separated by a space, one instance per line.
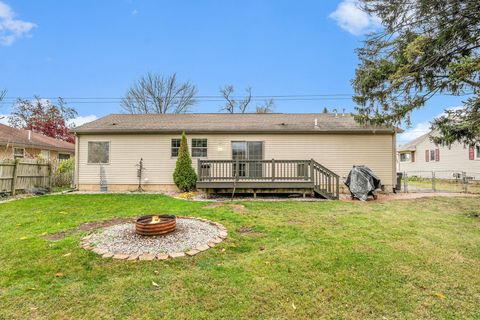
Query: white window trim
x=191 y=148
x=409 y=158
x=171 y=148
x=109 y=153
x=476 y=153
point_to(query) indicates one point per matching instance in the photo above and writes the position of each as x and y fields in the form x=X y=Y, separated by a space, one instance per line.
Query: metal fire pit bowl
x=147 y=226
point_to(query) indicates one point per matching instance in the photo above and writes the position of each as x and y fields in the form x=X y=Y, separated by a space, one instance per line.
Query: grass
x=335 y=260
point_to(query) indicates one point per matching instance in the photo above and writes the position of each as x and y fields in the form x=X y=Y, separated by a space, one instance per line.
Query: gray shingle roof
x=19 y=137
x=221 y=122
x=412 y=145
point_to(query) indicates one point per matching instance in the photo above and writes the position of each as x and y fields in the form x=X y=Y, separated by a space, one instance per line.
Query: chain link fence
x=453 y=181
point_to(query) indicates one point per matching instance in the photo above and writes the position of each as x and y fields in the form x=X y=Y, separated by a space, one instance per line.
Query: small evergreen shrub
x=184 y=175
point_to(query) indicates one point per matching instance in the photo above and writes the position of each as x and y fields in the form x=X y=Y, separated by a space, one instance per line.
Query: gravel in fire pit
x=190 y=234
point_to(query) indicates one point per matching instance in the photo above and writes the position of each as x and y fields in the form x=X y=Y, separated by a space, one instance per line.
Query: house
x=250 y=152
x=19 y=144
x=420 y=157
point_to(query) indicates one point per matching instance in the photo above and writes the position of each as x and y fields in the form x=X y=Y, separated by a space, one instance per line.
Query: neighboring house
x=421 y=156
x=19 y=144
x=230 y=147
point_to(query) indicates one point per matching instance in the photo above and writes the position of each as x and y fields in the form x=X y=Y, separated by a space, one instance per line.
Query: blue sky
x=97 y=49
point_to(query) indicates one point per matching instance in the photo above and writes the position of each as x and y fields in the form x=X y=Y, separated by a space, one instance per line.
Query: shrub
x=184 y=175
x=65 y=166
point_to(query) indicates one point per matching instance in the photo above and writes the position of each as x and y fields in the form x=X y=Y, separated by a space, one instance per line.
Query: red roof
x=19 y=137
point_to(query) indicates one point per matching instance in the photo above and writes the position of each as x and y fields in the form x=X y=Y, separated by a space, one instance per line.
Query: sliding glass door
x=248 y=150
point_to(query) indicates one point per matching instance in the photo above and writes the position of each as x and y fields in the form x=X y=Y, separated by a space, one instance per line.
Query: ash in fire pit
x=155 y=225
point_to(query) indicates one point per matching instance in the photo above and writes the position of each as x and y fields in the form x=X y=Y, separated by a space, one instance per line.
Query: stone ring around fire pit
x=177 y=237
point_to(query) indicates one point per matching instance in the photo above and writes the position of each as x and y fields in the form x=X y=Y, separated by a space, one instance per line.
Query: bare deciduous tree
x=266 y=107
x=232 y=105
x=155 y=93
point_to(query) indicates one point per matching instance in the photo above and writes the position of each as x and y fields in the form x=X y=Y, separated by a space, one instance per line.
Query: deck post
x=312 y=173
x=237 y=169
x=199 y=169
x=273 y=169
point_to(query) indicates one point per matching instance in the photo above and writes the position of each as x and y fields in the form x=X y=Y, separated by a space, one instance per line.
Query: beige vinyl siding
x=338 y=152
x=452 y=159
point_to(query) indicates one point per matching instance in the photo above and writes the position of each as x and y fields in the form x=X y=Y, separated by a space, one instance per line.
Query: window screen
x=199 y=147
x=175 y=147
x=98 y=152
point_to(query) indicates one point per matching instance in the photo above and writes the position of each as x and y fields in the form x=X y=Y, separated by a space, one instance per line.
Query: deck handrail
x=323 y=180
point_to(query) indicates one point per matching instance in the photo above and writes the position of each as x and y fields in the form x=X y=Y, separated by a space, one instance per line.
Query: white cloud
x=420 y=129
x=4 y=119
x=78 y=121
x=10 y=28
x=351 y=18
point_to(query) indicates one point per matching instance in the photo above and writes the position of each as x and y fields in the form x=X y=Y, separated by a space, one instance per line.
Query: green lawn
x=303 y=260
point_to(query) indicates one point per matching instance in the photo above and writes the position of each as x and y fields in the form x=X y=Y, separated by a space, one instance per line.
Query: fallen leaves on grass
x=440 y=295
x=59 y=274
x=155 y=284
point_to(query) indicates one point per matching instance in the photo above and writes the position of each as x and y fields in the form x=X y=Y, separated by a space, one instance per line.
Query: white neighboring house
x=421 y=156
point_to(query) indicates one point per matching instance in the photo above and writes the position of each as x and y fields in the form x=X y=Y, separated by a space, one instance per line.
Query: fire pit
x=155 y=225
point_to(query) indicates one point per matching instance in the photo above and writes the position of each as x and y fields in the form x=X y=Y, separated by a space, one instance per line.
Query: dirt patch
x=236 y=207
x=248 y=231
x=214 y=205
x=87 y=226
x=244 y=229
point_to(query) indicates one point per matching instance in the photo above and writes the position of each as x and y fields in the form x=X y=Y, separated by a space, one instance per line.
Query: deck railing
x=322 y=179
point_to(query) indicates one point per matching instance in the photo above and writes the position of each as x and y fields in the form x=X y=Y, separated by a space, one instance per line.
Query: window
x=405 y=157
x=175 y=147
x=477 y=148
x=45 y=154
x=199 y=147
x=98 y=152
x=248 y=150
x=18 y=153
x=63 y=156
x=432 y=155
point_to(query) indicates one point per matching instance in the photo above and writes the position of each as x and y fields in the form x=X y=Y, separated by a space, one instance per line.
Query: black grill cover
x=362 y=181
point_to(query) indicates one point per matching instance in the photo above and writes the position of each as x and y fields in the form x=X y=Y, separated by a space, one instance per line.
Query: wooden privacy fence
x=24 y=176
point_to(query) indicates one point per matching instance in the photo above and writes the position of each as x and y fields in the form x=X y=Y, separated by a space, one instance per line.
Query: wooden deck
x=270 y=176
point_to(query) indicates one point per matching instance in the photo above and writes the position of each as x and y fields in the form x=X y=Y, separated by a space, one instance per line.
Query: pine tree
x=184 y=175
x=325 y=110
